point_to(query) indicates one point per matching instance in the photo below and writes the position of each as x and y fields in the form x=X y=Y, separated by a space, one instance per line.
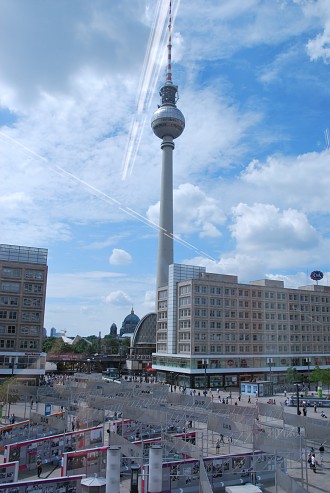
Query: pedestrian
x=221 y=438
x=285 y=393
x=304 y=411
x=315 y=408
x=249 y=401
x=239 y=398
x=217 y=447
x=39 y=466
x=313 y=463
x=321 y=450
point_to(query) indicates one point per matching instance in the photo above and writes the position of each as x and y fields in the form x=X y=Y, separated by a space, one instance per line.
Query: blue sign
x=316 y=275
x=48 y=409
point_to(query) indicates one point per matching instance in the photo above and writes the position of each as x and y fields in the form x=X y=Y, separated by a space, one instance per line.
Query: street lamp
x=298 y=410
x=270 y=362
x=308 y=361
x=205 y=363
x=12 y=365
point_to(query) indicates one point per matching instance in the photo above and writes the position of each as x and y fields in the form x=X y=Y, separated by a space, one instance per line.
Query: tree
x=48 y=343
x=60 y=347
x=293 y=375
x=7 y=394
x=321 y=376
x=82 y=347
x=316 y=375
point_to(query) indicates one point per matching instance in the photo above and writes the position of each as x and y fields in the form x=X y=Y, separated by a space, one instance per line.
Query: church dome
x=129 y=323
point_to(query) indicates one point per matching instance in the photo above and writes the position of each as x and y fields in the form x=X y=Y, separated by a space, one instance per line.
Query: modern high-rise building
x=23 y=281
x=213 y=331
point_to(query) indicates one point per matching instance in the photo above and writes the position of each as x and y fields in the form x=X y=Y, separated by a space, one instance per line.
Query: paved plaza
x=315 y=483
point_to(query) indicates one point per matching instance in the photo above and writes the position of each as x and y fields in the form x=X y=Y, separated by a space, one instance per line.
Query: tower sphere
x=168 y=121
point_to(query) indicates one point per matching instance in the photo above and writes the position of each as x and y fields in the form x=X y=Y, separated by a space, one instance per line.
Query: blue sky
x=251 y=170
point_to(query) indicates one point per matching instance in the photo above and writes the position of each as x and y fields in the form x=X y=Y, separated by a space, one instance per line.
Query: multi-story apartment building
x=213 y=331
x=23 y=280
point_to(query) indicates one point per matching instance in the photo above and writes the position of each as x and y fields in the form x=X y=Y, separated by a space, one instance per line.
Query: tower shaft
x=165 y=235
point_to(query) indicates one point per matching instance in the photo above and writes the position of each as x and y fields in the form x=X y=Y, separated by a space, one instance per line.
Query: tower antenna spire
x=169 y=47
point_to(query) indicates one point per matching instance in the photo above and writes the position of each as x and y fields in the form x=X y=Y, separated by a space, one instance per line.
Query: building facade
x=23 y=281
x=213 y=331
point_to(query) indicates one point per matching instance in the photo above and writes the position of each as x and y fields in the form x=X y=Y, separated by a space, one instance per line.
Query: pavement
x=313 y=483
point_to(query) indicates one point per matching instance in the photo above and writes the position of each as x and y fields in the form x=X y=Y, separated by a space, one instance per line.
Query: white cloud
x=265 y=227
x=118 y=298
x=194 y=212
x=120 y=257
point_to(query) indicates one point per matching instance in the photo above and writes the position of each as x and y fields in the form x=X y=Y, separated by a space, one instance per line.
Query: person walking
x=313 y=463
x=217 y=447
x=321 y=450
x=39 y=466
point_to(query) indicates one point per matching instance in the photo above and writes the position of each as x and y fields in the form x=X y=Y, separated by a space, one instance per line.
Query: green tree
x=321 y=376
x=82 y=347
x=293 y=376
x=7 y=394
x=48 y=343
x=60 y=347
x=316 y=375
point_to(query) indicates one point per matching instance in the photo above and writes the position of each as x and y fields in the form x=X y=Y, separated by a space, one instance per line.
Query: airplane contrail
x=148 y=80
x=103 y=196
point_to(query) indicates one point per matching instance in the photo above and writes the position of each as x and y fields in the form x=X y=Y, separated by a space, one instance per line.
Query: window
x=9 y=300
x=33 y=302
x=32 y=288
x=34 y=316
x=12 y=273
x=34 y=274
x=10 y=286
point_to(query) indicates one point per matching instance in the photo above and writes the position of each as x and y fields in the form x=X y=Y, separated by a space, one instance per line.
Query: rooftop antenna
x=327 y=138
x=169 y=46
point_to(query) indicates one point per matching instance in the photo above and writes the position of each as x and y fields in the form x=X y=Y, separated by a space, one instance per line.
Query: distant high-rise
x=167 y=123
x=23 y=280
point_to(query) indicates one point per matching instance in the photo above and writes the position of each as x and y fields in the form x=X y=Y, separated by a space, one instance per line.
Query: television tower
x=167 y=123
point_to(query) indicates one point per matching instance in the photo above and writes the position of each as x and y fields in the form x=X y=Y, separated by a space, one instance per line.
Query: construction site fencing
x=288 y=484
x=205 y=485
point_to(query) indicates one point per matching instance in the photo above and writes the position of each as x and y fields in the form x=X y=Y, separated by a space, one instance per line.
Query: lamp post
x=308 y=361
x=121 y=349
x=270 y=362
x=12 y=365
x=298 y=410
x=205 y=363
